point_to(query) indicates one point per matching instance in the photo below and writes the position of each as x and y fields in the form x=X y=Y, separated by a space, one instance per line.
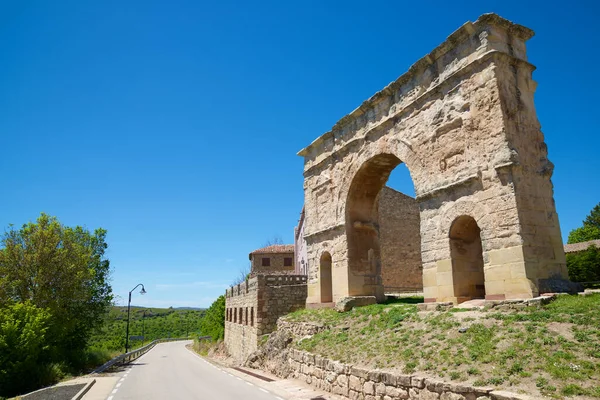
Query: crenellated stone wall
x=253 y=307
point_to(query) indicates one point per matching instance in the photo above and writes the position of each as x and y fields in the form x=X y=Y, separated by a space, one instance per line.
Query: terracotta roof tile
x=575 y=247
x=275 y=248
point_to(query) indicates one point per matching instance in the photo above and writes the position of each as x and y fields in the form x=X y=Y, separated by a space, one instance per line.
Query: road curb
x=84 y=390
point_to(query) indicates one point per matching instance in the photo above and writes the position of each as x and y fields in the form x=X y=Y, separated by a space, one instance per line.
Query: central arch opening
x=467 y=259
x=383 y=231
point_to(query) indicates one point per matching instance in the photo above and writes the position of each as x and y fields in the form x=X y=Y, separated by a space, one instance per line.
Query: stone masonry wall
x=277 y=263
x=400 y=241
x=362 y=384
x=253 y=307
x=241 y=334
x=281 y=295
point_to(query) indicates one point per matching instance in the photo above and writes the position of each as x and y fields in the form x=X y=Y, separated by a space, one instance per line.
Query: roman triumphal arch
x=462 y=119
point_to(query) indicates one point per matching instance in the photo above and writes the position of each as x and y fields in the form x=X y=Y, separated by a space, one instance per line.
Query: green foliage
x=584 y=234
x=23 y=347
x=153 y=323
x=593 y=219
x=584 y=266
x=62 y=272
x=590 y=229
x=213 y=323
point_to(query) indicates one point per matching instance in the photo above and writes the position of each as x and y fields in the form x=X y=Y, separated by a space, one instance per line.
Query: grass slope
x=553 y=350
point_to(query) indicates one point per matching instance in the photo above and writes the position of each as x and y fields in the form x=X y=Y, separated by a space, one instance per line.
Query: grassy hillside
x=157 y=323
x=551 y=350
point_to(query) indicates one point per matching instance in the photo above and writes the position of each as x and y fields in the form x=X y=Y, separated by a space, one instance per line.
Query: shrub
x=584 y=266
x=23 y=348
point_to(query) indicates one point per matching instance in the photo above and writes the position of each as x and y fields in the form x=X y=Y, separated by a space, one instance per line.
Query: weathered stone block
x=374 y=376
x=428 y=395
x=330 y=377
x=388 y=378
x=417 y=382
x=342 y=380
x=354 y=383
x=359 y=372
x=505 y=395
x=451 y=396
x=349 y=302
x=369 y=387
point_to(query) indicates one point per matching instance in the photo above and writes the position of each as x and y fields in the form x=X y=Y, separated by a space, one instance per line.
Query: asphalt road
x=170 y=371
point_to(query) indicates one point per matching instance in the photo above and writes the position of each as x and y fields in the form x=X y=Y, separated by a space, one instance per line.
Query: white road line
x=229 y=374
x=223 y=371
x=114 y=391
x=264 y=390
x=118 y=384
x=122 y=379
x=248 y=383
x=278 y=398
x=238 y=378
x=109 y=398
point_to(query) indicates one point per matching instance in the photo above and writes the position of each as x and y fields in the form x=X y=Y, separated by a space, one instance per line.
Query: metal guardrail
x=132 y=355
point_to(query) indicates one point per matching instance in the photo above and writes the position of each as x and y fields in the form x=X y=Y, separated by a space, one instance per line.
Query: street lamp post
x=143 y=291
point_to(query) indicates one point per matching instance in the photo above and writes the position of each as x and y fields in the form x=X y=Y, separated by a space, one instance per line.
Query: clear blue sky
x=175 y=124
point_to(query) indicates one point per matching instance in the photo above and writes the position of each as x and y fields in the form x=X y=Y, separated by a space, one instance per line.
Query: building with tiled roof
x=575 y=247
x=275 y=248
x=273 y=259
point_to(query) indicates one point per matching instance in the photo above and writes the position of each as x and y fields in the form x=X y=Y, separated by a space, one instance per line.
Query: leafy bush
x=24 y=350
x=213 y=323
x=584 y=266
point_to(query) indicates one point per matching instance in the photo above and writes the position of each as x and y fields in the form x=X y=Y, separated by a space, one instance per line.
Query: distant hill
x=153 y=323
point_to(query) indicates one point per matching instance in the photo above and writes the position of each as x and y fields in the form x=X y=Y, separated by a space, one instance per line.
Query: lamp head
x=143 y=291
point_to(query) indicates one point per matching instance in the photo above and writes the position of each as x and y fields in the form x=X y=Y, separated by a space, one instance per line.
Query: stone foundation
x=362 y=384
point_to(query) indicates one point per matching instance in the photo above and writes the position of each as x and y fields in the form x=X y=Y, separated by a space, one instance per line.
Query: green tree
x=590 y=229
x=23 y=347
x=213 y=323
x=584 y=266
x=60 y=269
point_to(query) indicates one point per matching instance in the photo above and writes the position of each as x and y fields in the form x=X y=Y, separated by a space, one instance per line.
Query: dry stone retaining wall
x=362 y=384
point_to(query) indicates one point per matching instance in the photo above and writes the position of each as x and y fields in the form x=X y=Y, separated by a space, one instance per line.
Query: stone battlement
x=251 y=285
x=253 y=307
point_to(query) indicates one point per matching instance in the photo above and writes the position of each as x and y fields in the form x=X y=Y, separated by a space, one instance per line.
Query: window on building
x=266 y=262
x=251 y=316
x=287 y=262
x=246 y=320
x=241 y=315
x=234 y=314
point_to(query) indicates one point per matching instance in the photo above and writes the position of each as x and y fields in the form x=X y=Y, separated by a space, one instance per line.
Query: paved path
x=170 y=371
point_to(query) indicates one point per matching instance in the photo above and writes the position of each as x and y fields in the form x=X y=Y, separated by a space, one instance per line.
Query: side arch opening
x=325 y=278
x=466 y=253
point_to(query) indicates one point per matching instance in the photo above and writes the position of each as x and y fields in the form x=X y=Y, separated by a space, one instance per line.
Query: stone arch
x=466 y=252
x=326 y=278
x=363 y=225
x=456 y=119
